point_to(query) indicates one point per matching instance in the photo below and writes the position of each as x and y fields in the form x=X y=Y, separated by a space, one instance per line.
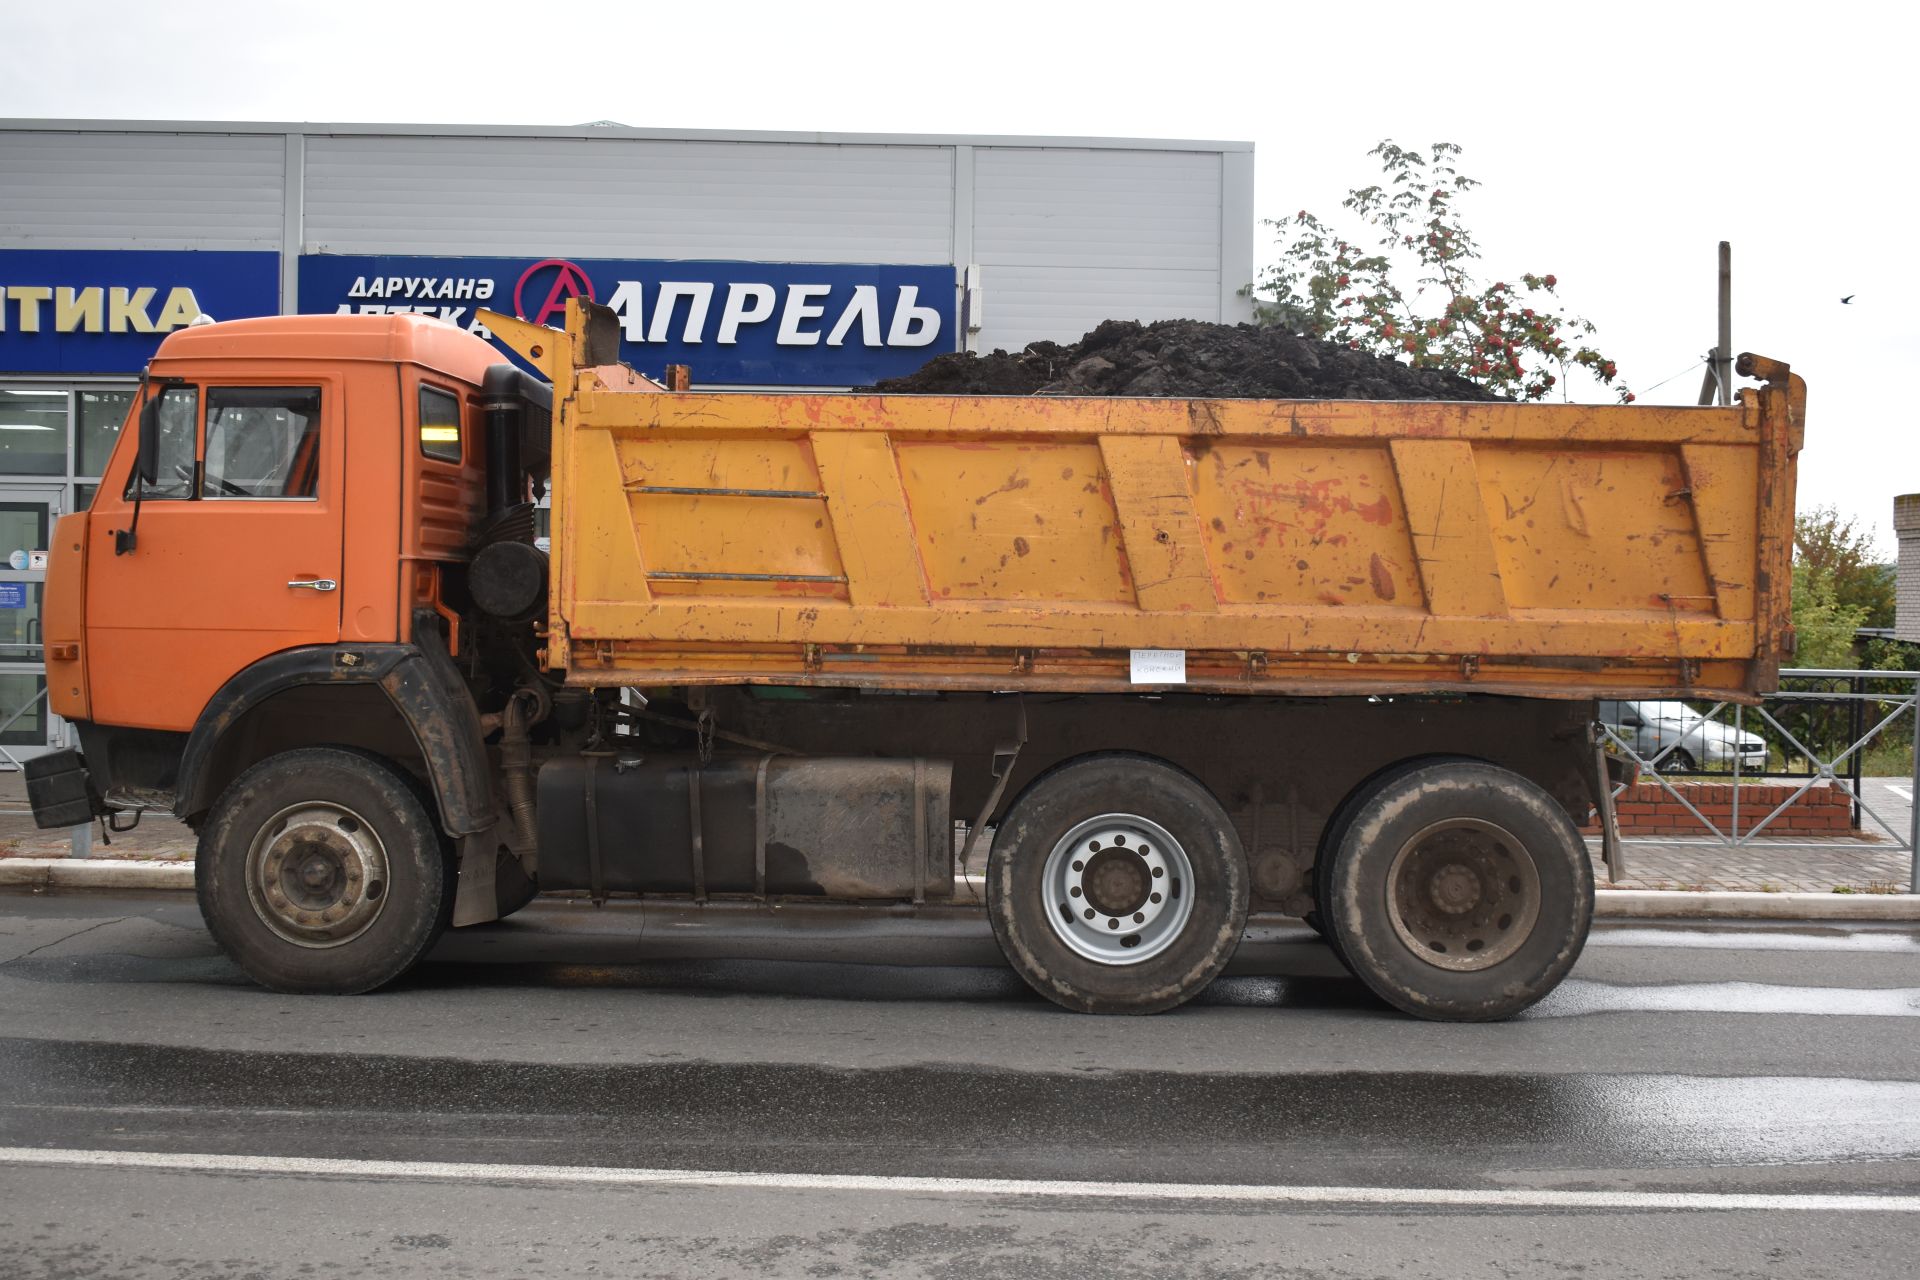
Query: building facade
x=757 y=259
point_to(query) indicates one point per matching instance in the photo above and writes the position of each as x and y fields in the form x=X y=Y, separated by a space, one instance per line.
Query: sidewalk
x=1853 y=865
x=1787 y=865
x=157 y=836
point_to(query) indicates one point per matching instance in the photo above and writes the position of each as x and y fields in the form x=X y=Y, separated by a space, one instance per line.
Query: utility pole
x=1717 y=386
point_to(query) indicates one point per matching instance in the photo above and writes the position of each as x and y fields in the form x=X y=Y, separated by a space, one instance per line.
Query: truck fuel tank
x=845 y=828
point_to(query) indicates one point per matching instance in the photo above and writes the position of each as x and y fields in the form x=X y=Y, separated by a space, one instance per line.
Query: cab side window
x=179 y=425
x=439 y=424
x=262 y=442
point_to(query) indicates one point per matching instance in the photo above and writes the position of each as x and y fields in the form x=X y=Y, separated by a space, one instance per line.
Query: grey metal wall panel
x=1061 y=303
x=1069 y=231
x=1086 y=208
x=1236 y=235
x=627 y=197
x=140 y=190
x=1066 y=238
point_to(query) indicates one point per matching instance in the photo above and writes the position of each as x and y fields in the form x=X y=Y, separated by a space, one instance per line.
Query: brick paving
x=1852 y=864
x=1855 y=863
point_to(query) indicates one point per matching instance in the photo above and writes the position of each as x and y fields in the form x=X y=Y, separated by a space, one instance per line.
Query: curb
x=94 y=873
x=1679 y=904
x=1609 y=904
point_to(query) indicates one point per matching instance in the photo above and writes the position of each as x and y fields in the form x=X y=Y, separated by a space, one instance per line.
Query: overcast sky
x=1617 y=143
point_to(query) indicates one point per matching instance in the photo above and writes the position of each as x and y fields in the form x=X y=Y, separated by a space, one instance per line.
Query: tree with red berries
x=1510 y=338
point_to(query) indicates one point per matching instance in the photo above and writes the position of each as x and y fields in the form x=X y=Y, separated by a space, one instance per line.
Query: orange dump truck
x=1157 y=663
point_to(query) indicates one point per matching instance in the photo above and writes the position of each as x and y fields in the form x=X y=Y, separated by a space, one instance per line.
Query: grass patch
x=1887 y=760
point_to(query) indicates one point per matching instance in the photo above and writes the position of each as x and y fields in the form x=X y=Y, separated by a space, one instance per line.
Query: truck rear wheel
x=1459 y=892
x=1336 y=830
x=320 y=870
x=1117 y=884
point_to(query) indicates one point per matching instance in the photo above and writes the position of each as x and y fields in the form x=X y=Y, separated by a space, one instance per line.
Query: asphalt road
x=582 y=1091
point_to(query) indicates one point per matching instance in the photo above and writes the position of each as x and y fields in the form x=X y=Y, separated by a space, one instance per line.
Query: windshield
x=1668 y=711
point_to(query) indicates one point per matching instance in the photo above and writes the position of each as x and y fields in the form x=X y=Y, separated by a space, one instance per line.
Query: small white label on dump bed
x=1159 y=666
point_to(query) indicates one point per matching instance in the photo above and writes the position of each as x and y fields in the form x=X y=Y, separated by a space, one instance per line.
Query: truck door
x=238 y=553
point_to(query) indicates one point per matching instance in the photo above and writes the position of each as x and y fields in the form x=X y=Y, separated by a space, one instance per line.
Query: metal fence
x=1818 y=729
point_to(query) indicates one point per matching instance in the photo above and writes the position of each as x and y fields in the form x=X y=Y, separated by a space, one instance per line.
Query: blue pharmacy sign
x=733 y=323
x=106 y=310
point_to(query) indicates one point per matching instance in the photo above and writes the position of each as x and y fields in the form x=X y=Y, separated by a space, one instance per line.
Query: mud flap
x=476 y=900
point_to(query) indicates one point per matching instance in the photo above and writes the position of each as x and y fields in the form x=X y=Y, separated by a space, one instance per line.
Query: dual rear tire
x=1455 y=890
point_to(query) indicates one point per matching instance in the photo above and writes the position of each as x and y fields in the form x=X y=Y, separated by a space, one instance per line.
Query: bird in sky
x=1849 y=298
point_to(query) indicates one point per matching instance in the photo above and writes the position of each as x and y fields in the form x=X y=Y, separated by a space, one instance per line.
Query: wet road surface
x=1726 y=1100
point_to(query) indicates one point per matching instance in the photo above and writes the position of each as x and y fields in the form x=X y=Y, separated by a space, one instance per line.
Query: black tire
x=1195 y=939
x=354 y=820
x=1335 y=831
x=1679 y=760
x=1459 y=892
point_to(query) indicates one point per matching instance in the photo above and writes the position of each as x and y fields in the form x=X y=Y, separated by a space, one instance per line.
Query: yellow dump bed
x=933 y=542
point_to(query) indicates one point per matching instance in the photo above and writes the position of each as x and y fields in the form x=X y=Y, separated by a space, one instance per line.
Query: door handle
x=314 y=584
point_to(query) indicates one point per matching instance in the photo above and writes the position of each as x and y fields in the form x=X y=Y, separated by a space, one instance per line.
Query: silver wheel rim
x=1118 y=889
x=1463 y=894
x=317 y=874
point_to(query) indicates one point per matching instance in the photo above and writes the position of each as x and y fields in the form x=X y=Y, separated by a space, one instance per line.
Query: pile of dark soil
x=1188 y=358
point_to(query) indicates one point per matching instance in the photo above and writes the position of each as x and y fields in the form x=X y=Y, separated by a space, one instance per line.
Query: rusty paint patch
x=1382 y=577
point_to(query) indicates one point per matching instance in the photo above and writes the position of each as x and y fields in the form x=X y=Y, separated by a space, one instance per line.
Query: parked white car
x=1650 y=727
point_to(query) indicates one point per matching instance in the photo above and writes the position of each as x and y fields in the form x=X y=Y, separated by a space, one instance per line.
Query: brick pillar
x=1906 y=527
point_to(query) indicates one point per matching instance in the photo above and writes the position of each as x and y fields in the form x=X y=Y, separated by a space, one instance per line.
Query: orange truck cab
x=277 y=579
x=1163 y=662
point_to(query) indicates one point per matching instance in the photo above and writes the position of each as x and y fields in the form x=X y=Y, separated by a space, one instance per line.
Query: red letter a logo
x=569 y=281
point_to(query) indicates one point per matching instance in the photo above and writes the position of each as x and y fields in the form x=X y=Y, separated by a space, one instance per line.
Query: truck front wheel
x=1117 y=884
x=1459 y=891
x=320 y=870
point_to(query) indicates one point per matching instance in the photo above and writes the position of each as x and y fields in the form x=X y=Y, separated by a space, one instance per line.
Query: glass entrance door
x=27 y=728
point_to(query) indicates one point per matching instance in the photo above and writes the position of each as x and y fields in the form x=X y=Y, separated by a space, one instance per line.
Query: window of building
x=101 y=414
x=64 y=433
x=262 y=442
x=33 y=432
x=179 y=423
x=439 y=424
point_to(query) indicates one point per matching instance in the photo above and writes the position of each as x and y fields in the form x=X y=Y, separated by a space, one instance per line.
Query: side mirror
x=146 y=463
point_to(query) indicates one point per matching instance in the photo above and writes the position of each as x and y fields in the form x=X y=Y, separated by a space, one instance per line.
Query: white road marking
x=1902 y=792
x=1738 y=939
x=1445 y=1197
x=1577 y=996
